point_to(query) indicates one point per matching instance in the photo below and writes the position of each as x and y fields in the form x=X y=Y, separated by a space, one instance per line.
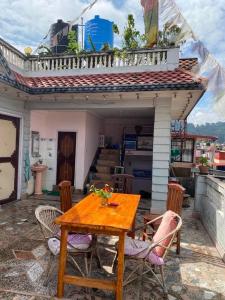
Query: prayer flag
x=151 y=21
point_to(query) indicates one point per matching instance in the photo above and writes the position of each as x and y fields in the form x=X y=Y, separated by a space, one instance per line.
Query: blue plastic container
x=101 y=32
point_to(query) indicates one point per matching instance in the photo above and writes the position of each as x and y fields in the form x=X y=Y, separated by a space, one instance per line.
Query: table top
x=89 y=213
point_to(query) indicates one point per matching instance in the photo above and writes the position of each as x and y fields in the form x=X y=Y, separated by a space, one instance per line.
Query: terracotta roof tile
x=188 y=63
x=177 y=79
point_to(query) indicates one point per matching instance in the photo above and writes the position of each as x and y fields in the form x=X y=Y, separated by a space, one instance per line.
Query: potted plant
x=204 y=165
x=104 y=194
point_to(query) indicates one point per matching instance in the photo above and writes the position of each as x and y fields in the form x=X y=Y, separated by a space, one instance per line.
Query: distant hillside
x=215 y=129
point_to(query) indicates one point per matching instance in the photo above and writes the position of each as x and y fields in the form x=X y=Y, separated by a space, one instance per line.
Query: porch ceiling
x=183 y=101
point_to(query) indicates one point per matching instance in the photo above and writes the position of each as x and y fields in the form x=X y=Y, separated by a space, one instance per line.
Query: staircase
x=108 y=159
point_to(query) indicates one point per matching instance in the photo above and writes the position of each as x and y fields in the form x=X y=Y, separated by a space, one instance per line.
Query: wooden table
x=89 y=217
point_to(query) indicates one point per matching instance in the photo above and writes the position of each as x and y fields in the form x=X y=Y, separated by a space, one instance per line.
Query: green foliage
x=131 y=36
x=44 y=50
x=203 y=161
x=105 y=192
x=92 y=44
x=105 y=47
x=168 y=36
x=116 y=29
x=73 y=46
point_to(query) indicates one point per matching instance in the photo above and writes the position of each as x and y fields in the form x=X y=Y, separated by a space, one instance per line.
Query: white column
x=161 y=154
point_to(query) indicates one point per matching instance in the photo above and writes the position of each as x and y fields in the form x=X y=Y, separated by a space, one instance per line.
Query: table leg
x=62 y=262
x=119 y=284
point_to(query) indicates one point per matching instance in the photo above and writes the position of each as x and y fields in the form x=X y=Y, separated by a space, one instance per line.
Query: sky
x=25 y=22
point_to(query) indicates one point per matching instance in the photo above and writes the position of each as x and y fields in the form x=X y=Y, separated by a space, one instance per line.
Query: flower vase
x=104 y=201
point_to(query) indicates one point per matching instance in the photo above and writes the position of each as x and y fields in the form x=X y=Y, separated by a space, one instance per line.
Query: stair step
x=110 y=151
x=114 y=157
x=103 y=176
x=110 y=163
x=103 y=169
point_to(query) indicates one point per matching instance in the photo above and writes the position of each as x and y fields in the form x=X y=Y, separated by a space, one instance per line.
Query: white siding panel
x=161 y=149
x=160 y=180
x=159 y=196
x=161 y=124
x=158 y=164
x=163 y=132
x=160 y=156
x=159 y=188
x=162 y=117
x=160 y=172
x=161 y=153
x=162 y=140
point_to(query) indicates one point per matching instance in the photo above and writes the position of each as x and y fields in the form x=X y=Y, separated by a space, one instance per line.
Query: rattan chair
x=144 y=266
x=174 y=202
x=46 y=216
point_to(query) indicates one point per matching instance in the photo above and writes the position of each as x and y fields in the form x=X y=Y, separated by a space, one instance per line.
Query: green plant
x=44 y=50
x=204 y=161
x=105 y=47
x=105 y=192
x=131 y=36
x=168 y=36
x=73 y=45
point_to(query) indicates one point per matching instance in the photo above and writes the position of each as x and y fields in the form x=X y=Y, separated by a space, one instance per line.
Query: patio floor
x=198 y=273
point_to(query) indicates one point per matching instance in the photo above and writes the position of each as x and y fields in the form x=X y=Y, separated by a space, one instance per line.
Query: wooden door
x=9 y=153
x=66 y=156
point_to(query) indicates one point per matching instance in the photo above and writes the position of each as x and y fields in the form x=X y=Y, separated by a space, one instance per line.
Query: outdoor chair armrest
x=148 y=223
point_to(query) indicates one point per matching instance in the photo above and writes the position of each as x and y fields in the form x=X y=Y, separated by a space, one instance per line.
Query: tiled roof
x=188 y=63
x=180 y=78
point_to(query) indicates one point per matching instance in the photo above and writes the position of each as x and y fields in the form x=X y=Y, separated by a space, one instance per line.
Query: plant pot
x=204 y=169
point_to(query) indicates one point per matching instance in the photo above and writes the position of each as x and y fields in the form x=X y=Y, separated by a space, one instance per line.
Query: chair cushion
x=75 y=241
x=168 y=224
x=139 y=249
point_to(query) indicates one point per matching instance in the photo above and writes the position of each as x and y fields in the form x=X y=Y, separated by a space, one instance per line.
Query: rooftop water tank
x=59 y=36
x=101 y=32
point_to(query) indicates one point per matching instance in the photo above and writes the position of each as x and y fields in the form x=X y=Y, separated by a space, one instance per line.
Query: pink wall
x=48 y=123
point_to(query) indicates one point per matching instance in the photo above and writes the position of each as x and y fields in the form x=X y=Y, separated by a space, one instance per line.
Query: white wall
x=49 y=123
x=93 y=129
x=16 y=108
x=210 y=203
x=161 y=154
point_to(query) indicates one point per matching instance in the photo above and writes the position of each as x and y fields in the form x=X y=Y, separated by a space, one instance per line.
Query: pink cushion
x=168 y=224
x=139 y=249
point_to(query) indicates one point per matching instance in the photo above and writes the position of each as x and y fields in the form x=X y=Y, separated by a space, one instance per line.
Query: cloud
x=25 y=23
x=207 y=20
x=201 y=116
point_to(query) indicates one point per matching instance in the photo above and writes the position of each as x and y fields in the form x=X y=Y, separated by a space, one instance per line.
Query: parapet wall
x=210 y=203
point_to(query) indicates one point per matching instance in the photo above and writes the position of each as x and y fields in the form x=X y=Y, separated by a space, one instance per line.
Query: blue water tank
x=101 y=32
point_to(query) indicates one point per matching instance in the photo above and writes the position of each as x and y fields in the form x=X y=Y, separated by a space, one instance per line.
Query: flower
x=105 y=192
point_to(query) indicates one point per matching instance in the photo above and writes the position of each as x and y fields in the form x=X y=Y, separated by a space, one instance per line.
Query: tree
x=73 y=46
x=169 y=35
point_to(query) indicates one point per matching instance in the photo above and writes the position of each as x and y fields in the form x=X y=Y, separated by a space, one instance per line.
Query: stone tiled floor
x=198 y=273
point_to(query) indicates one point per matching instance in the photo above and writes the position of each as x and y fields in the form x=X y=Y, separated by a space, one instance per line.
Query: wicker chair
x=46 y=216
x=174 y=202
x=144 y=265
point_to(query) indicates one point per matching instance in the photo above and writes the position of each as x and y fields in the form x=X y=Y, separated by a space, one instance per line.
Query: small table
x=89 y=217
